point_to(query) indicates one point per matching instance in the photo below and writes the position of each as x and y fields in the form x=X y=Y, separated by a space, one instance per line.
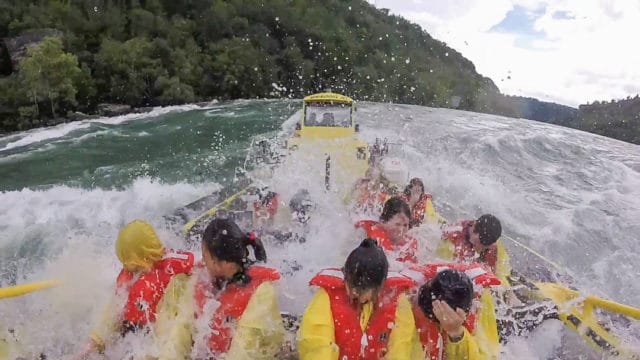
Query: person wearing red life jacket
x=420 y=203
x=476 y=241
x=234 y=297
x=148 y=268
x=359 y=312
x=370 y=193
x=391 y=231
x=449 y=325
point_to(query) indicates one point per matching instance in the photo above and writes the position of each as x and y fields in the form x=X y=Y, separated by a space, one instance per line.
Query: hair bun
x=369 y=243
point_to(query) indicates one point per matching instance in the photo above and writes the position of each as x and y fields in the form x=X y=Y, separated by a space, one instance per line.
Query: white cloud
x=590 y=54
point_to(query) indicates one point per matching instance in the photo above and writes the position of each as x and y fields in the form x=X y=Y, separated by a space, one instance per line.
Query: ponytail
x=259 y=252
x=366 y=266
x=224 y=240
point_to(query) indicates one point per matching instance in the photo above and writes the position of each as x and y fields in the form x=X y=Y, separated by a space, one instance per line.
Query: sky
x=570 y=52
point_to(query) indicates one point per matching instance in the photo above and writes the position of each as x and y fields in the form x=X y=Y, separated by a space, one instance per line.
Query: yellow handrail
x=576 y=311
x=187 y=227
x=18 y=290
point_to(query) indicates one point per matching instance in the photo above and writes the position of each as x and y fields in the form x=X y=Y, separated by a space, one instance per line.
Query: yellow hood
x=138 y=246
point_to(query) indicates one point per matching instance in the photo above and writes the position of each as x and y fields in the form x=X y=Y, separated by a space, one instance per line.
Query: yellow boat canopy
x=328 y=97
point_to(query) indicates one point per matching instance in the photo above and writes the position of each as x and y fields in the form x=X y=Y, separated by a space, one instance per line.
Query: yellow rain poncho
x=258 y=335
x=486 y=330
x=138 y=248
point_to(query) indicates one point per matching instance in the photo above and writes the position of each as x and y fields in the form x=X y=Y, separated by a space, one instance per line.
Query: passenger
x=395 y=172
x=265 y=208
x=311 y=119
x=476 y=241
x=359 y=312
x=301 y=205
x=378 y=150
x=391 y=231
x=420 y=203
x=381 y=182
x=235 y=298
x=148 y=268
x=370 y=192
x=449 y=325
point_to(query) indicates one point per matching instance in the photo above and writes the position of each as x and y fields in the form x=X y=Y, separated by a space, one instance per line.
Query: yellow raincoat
x=138 y=248
x=259 y=333
x=430 y=214
x=316 y=337
x=486 y=329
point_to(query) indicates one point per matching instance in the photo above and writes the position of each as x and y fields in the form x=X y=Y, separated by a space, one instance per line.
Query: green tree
x=13 y=96
x=241 y=70
x=127 y=72
x=173 y=91
x=50 y=74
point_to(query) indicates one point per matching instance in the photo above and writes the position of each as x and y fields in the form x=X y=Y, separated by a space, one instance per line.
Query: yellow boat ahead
x=326 y=137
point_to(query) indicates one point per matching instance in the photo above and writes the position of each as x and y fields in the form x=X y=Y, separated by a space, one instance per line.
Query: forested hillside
x=58 y=57
x=617 y=119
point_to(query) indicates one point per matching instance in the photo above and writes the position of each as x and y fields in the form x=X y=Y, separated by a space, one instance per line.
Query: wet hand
x=450 y=320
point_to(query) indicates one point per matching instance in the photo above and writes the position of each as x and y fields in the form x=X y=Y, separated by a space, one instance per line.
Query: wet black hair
x=301 y=201
x=224 y=240
x=366 y=266
x=489 y=229
x=394 y=206
x=452 y=286
x=412 y=183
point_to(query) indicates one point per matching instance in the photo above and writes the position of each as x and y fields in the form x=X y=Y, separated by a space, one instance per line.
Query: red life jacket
x=265 y=210
x=233 y=301
x=417 y=212
x=464 y=251
x=432 y=338
x=406 y=250
x=353 y=343
x=370 y=199
x=145 y=292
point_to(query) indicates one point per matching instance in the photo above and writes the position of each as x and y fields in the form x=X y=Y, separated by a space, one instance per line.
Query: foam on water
x=68 y=234
x=37 y=135
x=43 y=134
x=573 y=196
x=560 y=191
